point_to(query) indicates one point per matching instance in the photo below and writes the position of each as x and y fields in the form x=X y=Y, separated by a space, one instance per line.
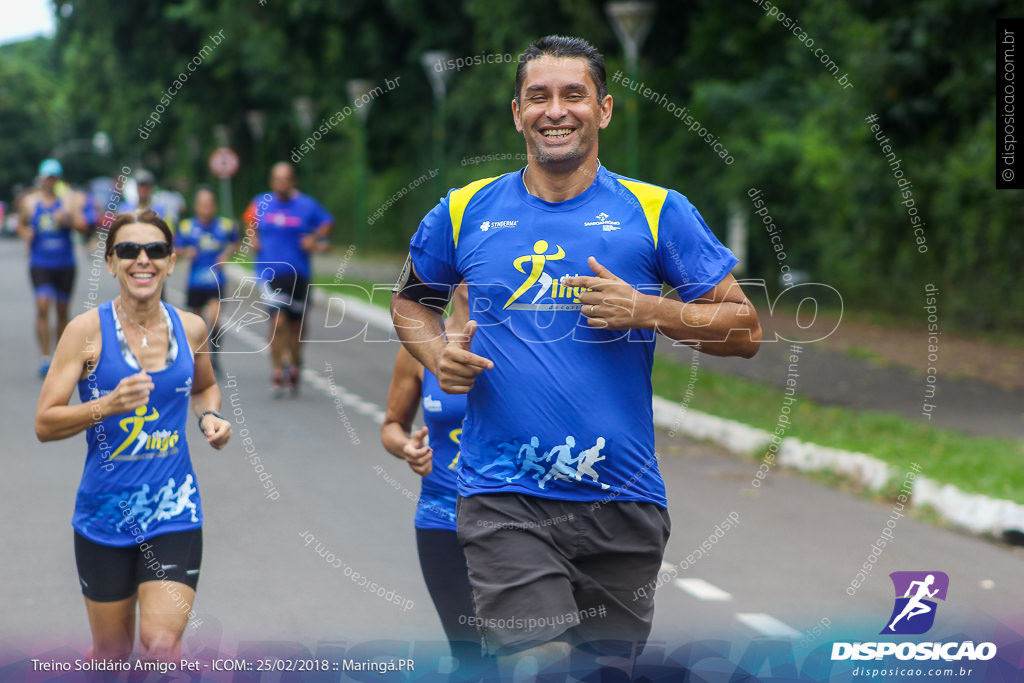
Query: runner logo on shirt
x=168 y=502
x=46 y=223
x=557 y=463
x=544 y=286
x=157 y=444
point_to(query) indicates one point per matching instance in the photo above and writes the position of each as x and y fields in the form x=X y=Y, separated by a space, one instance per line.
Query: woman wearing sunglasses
x=136 y=363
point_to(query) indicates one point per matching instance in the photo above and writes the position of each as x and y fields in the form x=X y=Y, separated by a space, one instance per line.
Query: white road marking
x=311 y=377
x=250 y=339
x=354 y=401
x=702 y=590
x=767 y=625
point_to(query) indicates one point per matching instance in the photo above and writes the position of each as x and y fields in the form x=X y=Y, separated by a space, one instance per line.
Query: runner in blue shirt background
x=208 y=240
x=564 y=261
x=289 y=227
x=46 y=222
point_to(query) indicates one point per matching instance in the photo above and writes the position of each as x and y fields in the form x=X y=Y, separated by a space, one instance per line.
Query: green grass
x=886 y=319
x=975 y=464
x=366 y=292
x=866 y=355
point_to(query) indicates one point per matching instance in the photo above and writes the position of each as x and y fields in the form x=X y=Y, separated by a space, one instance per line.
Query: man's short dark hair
x=564 y=46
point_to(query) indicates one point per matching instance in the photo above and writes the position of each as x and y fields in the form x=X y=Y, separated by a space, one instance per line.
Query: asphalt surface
x=781 y=573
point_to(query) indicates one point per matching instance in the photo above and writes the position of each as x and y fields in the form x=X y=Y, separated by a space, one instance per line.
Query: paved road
x=781 y=572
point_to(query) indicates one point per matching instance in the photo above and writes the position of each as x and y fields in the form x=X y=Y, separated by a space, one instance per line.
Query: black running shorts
x=109 y=573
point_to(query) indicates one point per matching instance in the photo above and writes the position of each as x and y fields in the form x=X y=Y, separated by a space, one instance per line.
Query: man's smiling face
x=558 y=110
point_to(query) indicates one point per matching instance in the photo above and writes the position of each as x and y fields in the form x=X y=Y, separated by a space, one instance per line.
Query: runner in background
x=47 y=218
x=150 y=199
x=287 y=228
x=208 y=240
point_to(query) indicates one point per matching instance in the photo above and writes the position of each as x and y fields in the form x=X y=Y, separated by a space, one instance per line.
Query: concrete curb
x=973 y=512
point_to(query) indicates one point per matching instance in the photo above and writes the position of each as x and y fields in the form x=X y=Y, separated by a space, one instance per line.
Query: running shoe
x=277 y=390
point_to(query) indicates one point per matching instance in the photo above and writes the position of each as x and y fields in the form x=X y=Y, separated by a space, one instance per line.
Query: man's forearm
x=420 y=328
x=720 y=329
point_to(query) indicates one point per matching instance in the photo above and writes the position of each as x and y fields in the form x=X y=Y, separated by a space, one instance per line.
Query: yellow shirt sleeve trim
x=459 y=200
x=652 y=199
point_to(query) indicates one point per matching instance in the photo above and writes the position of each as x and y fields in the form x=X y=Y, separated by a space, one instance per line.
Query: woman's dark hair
x=564 y=46
x=148 y=217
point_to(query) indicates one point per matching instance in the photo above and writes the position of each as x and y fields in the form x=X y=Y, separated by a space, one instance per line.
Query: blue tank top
x=51 y=242
x=138 y=480
x=442 y=414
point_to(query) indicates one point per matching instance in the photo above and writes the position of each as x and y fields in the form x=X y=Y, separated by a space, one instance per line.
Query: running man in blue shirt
x=46 y=222
x=288 y=229
x=557 y=356
x=208 y=240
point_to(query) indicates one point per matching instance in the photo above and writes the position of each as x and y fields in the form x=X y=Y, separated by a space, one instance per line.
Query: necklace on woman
x=145 y=332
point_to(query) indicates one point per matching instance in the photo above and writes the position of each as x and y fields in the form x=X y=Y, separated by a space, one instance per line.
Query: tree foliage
x=924 y=67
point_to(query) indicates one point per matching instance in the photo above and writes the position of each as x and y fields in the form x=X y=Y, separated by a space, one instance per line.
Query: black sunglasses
x=154 y=250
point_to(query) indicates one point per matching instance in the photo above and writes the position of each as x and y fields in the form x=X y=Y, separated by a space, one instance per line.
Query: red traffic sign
x=224 y=162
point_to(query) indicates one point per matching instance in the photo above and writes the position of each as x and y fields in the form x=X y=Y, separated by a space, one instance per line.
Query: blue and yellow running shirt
x=51 y=242
x=566 y=411
x=442 y=414
x=209 y=241
x=138 y=481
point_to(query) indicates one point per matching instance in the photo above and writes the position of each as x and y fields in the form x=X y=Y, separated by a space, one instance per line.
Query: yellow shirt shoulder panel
x=652 y=199
x=459 y=200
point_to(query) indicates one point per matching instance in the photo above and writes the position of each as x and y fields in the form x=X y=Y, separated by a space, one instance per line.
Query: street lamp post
x=256 y=120
x=632 y=22
x=433 y=63
x=222 y=136
x=304 y=113
x=99 y=144
x=358 y=92
x=304 y=110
